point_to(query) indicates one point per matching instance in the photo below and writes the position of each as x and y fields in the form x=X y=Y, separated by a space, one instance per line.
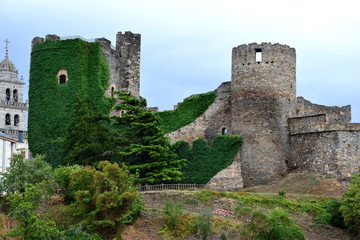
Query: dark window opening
x=15 y=95
x=7 y=119
x=258 y=52
x=62 y=79
x=7 y=94
x=16 y=120
x=224 y=131
x=112 y=91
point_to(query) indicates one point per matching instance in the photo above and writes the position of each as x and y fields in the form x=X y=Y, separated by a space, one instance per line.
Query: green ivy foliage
x=51 y=104
x=206 y=161
x=187 y=111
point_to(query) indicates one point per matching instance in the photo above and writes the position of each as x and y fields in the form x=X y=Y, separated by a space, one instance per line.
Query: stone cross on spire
x=6 y=47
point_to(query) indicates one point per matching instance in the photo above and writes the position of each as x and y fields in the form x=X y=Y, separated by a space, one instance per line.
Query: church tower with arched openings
x=13 y=108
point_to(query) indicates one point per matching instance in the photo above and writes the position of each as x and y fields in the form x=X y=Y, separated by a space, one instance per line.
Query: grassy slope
x=303 y=208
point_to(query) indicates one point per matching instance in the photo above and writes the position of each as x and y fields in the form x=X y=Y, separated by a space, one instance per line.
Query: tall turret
x=124 y=63
x=263 y=96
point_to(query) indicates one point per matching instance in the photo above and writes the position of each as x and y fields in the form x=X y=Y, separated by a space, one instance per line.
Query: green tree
x=350 y=207
x=25 y=208
x=88 y=138
x=105 y=198
x=142 y=144
x=23 y=172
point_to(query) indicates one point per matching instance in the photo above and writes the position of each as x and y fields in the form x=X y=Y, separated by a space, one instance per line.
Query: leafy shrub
x=282 y=193
x=105 y=198
x=187 y=111
x=185 y=227
x=205 y=161
x=283 y=227
x=172 y=214
x=350 y=205
x=204 y=224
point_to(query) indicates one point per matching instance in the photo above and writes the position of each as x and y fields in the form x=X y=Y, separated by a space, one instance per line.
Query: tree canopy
x=141 y=142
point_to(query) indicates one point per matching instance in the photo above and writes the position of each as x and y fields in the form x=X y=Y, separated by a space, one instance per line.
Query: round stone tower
x=263 y=96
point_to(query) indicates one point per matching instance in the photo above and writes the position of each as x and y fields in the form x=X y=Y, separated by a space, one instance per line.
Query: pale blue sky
x=186 y=45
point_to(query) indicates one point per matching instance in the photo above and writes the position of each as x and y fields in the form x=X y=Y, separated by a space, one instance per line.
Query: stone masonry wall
x=332 y=153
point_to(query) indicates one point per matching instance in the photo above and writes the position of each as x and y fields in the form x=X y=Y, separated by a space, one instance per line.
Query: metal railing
x=176 y=186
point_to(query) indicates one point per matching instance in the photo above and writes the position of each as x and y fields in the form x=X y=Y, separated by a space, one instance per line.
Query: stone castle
x=282 y=132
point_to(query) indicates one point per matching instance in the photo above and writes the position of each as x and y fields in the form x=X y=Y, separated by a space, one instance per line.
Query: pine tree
x=88 y=139
x=142 y=144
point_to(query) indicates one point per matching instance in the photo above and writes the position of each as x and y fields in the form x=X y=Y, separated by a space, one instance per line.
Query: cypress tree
x=141 y=142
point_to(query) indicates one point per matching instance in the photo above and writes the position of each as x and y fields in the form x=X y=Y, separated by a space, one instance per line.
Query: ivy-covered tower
x=65 y=69
x=13 y=108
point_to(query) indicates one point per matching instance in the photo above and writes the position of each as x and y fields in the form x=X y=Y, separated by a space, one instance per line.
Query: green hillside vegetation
x=101 y=200
x=206 y=161
x=187 y=111
x=249 y=216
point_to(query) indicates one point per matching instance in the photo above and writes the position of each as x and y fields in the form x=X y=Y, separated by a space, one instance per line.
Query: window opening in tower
x=7 y=119
x=16 y=120
x=258 y=52
x=15 y=95
x=62 y=79
x=7 y=94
